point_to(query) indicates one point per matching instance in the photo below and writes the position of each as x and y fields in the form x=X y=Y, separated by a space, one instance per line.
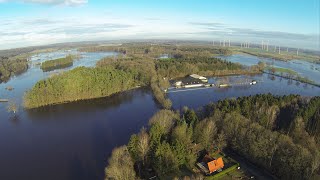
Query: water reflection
x=92 y=105
x=71 y=141
x=67 y=141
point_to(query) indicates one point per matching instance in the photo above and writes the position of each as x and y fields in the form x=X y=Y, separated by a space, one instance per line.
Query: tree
x=190 y=117
x=165 y=119
x=165 y=160
x=120 y=165
x=220 y=141
x=261 y=65
x=183 y=146
x=204 y=133
x=133 y=147
x=143 y=144
x=12 y=107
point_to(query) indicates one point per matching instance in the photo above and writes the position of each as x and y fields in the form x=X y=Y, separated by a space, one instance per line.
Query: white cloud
x=29 y=31
x=50 y=2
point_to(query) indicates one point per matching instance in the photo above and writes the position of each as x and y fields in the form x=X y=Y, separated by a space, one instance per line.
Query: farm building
x=190 y=81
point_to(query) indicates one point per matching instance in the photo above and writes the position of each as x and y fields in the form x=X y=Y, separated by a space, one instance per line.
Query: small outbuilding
x=210 y=165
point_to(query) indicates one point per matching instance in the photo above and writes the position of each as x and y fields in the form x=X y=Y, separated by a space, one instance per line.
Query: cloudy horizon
x=42 y=22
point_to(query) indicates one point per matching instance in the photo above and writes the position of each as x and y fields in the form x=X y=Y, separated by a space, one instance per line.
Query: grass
x=224 y=172
x=235 y=174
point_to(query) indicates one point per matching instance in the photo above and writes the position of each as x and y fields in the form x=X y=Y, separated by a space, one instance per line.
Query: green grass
x=224 y=172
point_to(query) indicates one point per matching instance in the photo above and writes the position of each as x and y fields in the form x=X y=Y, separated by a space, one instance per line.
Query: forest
x=109 y=77
x=57 y=63
x=79 y=83
x=10 y=66
x=206 y=66
x=277 y=133
x=14 y=62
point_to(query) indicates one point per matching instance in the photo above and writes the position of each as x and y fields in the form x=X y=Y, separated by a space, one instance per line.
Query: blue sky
x=293 y=23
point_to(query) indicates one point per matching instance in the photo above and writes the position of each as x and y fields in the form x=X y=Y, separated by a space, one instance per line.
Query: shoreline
x=78 y=100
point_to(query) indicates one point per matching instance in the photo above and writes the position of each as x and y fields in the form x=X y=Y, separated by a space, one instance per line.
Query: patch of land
x=57 y=63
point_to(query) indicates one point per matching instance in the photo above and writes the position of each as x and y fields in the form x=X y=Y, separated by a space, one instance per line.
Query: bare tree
x=143 y=144
x=12 y=107
x=120 y=165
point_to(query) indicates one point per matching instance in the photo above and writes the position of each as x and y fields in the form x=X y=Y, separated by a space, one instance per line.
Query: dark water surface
x=70 y=141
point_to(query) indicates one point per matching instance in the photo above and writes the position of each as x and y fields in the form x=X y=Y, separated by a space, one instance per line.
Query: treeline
x=80 y=83
x=207 y=66
x=164 y=150
x=13 y=62
x=10 y=66
x=279 y=133
x=272 y=132
x=144 y=68
x=156 y=50
x=60 y=63
x=103 y=49
x=280 y=113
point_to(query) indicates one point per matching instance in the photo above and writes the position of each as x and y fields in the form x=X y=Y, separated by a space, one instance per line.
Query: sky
x=293 y=23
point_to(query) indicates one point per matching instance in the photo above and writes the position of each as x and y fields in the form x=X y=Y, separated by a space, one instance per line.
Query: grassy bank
x=281 y=70
x=57 y=63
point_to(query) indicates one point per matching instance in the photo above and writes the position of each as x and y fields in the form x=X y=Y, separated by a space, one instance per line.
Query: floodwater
x=198 y=97
x=303 y=68
x=68 y=141
x=74 y=141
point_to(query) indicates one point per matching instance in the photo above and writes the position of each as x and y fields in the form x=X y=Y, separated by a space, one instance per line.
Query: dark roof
x=190 y=80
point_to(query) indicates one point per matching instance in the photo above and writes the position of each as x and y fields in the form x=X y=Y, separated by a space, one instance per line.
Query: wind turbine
x=279 y=49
